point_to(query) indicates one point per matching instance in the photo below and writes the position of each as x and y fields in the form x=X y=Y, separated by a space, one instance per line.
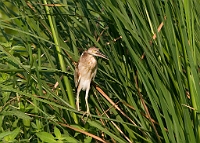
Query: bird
x=85 y=72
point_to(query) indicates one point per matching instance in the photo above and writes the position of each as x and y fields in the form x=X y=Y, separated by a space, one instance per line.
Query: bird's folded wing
x=76 y=76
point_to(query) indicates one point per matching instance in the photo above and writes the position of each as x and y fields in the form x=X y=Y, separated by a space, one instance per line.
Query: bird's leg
x=87 y=113
x=77 y=98
x=86 y=101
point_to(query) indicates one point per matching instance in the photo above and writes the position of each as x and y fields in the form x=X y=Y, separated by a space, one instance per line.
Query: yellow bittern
x=85 y=72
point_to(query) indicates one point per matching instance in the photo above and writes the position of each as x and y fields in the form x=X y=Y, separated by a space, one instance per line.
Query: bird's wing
x=76 y=76
x=94 y=73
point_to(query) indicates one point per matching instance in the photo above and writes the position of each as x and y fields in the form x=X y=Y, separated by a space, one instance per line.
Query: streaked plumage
x=85 y=72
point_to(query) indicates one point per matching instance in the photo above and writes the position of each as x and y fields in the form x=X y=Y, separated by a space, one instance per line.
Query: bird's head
x=95 y=52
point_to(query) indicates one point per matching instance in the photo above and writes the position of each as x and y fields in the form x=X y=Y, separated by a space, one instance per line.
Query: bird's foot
x=87 y=113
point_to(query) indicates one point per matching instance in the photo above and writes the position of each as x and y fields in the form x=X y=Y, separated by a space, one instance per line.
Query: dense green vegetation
x=148 y=91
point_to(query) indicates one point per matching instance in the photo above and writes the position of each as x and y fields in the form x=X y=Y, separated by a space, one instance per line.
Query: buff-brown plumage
x=85 y=72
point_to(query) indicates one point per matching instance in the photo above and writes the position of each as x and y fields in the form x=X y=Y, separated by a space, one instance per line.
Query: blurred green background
x=148 y=91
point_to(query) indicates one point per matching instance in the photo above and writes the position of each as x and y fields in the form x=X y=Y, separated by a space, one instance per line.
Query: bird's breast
x=87 y=67
x=88 y=62
x=92 y=63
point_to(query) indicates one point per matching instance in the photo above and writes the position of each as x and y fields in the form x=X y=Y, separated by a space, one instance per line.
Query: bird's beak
x=99 y=54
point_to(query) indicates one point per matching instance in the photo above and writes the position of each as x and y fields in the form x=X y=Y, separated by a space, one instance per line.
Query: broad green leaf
x=70 y=140
x=3 y=134
x=11 y=137
x=57 y=133
x=46 y=137
x=17 y=113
